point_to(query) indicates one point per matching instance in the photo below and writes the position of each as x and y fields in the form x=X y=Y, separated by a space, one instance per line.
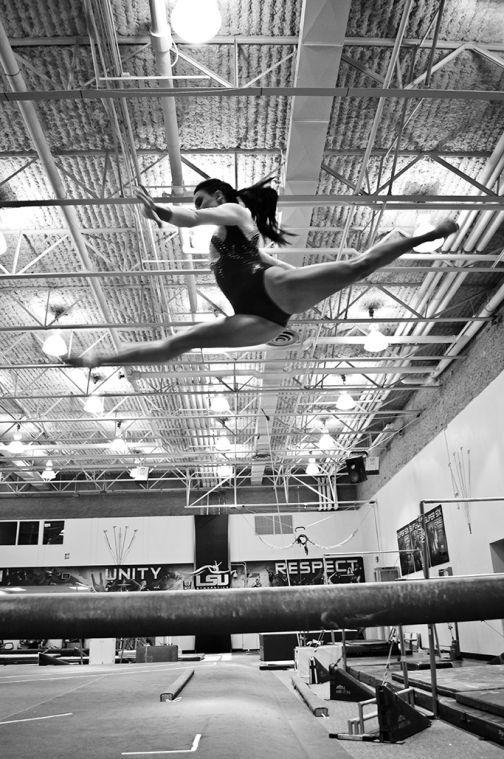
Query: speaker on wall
x=356 y=469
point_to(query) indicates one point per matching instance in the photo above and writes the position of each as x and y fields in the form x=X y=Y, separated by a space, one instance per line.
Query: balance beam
x=236 y=610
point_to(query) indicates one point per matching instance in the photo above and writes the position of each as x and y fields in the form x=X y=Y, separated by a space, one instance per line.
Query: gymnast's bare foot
x=445 y=229
x=87 y=361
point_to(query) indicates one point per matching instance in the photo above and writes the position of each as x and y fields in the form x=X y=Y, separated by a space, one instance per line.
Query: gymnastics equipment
x=188 y=612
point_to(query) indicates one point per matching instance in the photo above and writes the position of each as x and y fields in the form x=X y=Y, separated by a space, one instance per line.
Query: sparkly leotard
x=239 y=273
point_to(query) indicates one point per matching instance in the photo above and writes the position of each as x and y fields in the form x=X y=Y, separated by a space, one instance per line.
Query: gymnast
x=263 y=291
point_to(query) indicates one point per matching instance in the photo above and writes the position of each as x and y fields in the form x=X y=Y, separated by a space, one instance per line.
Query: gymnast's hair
x=261 y=201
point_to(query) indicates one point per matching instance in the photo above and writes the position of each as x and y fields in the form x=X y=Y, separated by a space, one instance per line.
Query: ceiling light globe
x=312 y=469
x=119 y=446
x=345 y=402
x=48 y=474
x=375 y=341
x=55 y=345
x=16 y=446
x=219 y=405
x=94 y=404
x=196 y=21
x=326 y=442
x=222 y=444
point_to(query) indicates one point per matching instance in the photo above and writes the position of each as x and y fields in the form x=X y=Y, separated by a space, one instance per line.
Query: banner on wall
x=152 y=577
x=410 y=541
x=103 y=579
x=285 y=572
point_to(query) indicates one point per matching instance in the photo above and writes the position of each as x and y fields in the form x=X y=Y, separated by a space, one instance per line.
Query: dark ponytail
x=259 y=199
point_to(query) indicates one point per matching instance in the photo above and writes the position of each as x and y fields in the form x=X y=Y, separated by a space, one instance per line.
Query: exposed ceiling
x=83 y=120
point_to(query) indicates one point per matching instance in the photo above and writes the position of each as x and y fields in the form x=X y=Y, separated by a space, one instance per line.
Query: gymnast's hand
x=149 y=210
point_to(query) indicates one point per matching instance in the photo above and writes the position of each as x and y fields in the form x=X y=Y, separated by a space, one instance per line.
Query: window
x=28 y=533
x=53 y=533
x=274 y=524
x=8 y=532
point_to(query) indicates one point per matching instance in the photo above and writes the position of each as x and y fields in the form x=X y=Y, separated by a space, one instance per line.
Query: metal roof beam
x=244 y=392
x=98 y=153
x=373 y=200
x=144 y=39
x=156 y=325
x=170 y=417
x=399 y=93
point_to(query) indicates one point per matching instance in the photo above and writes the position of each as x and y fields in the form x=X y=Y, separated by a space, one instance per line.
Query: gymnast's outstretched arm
x=274 y=261
x=227 y=214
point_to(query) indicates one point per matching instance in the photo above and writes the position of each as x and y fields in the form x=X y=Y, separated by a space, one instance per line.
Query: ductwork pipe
x=161 y=38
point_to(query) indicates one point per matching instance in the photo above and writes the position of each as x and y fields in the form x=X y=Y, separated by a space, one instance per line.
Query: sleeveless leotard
x=239 y=273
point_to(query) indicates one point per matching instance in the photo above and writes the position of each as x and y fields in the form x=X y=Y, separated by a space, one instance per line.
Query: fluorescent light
x=225 y=471
x=345 y=402
x=54 y=345
x=94 y=404
x=375 y=341
x=196 y=21
x=3 y=244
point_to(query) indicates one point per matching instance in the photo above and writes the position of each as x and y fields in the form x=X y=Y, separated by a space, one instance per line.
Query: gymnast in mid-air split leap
x=263 y=291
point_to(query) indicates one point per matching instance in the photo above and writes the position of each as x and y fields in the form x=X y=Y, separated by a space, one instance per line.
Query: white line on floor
x=194 y=747
x=32 y=719
x=98 y=673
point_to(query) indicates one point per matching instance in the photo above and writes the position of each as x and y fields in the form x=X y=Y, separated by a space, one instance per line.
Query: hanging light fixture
x=431 y=245
x=54 y=345
x=3 y=244
x=345 y=402
x=196 y=21
x=326 y=442
x=312 y=468
x=16 y=445
x=222 y=443
x=219 y=405
x=118 y=444
x=94 y=404
x=48 y=474
x=375 y=340
x=225 y=471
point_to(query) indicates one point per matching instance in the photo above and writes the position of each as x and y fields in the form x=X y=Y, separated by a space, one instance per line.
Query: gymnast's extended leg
x=296 y=290
x=229 y=332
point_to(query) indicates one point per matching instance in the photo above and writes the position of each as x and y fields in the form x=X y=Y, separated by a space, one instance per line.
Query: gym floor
x=229 y=709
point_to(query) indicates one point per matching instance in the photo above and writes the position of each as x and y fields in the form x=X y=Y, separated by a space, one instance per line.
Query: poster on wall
x=436 y=536
x=410 y=539
x=409 y=558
